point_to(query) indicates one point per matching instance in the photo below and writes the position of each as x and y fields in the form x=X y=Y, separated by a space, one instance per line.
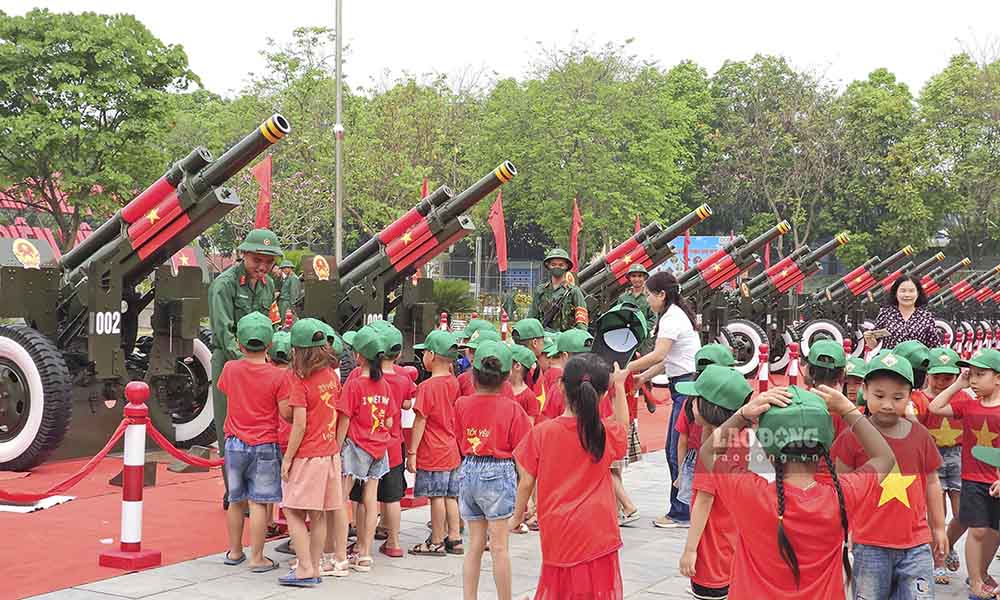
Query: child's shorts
x=706 y=593
x=436 y=484
x=950 y=471
x=252 y=472
x=687 y=477
x=976 y=508
x=360 y=465
x=314 y=484
x=487 y=488
x=391 y=488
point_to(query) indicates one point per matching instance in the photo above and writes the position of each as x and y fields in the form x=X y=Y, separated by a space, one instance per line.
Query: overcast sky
x=844 y=39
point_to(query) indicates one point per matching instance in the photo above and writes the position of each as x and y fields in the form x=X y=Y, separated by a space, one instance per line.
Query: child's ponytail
x=375 y=367
x=586 y=380
x=843 y=510
x=784 y=545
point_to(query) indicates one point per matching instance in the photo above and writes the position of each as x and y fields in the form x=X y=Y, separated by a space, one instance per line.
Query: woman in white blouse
x=677 y=342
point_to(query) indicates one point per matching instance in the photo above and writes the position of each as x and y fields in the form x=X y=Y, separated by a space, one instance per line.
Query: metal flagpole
x=338 y=132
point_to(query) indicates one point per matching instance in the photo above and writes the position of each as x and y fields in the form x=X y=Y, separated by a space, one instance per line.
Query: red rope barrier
x=65 y=485
x=190 y=459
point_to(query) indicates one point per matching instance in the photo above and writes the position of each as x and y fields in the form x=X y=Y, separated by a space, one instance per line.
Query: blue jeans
x=893 y=574
x=678 y=511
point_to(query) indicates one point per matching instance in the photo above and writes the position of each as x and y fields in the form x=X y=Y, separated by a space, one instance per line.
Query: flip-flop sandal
x=520 y=529
x=273 y=531
x=291 y=580
x=533 y=525
x=452 y=547
x=232 y=562
x=941 y=576
x=425 y=549
x=629 y=518
x=381 y=533
x=285 y=548
x=390 y=552
x=952 y=562
x=265 y=568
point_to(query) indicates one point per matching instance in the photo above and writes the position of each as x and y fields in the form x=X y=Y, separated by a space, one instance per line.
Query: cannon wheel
x=820 y=329
x=35 y=407
x=194 y=423
x=781 y=353
x=745 y=338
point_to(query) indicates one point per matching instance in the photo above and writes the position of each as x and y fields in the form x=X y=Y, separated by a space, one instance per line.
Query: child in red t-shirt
x=570 y=458
x=365 y=431
x=486 y=334
x=980 y=427
x=714 y=397
x=893 y=532
x=526 y=397
x=311 y=465
x=489 y=426
x=252 y=467
x=530 y=334
x=568 y=344
x=434 y=456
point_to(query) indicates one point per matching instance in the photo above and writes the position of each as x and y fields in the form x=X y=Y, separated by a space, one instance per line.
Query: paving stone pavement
x=648 y=561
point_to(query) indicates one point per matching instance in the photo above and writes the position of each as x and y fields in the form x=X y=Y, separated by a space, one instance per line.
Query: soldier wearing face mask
x=558 y=303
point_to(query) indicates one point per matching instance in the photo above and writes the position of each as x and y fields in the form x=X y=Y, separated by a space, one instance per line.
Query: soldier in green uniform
x=558 y=303
x=636 y=294
x=291 y=289
x=241 y=289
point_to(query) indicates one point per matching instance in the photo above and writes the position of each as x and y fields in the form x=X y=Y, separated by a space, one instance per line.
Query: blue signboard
x=700 y=248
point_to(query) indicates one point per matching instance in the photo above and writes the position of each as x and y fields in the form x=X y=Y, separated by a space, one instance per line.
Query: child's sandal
x=941 y=577
x=428 y=549
x=454 y=547
x=362 y=564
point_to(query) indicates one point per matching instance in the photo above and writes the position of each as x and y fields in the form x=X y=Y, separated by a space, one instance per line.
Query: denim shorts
x=487 y=488
x=950 y=471
x=436 y=484
x=902 y=574
x=252 y=472
x=360 y=465
x=687 y=477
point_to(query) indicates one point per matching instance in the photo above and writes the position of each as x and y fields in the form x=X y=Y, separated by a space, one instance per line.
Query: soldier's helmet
x=261 y=241
x=286 y=264
x=557 y=253
x=638 y=268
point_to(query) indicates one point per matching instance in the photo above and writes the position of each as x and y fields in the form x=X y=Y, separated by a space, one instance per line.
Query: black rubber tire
x=54 y=397
x=740 y=332
x=204 y=435
x=208 y=436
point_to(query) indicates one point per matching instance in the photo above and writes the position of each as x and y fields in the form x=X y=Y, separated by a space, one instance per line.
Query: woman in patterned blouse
x=905 y=316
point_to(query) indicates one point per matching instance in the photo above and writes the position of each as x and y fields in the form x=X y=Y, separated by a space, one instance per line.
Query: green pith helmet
x=638 y=268
x=558 y=253
x=261 y=241
x=286 y=264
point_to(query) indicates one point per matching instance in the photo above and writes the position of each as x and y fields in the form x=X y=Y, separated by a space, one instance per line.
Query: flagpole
x=338 y=132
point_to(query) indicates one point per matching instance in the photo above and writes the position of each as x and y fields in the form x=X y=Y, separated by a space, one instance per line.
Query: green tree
x=83 y=104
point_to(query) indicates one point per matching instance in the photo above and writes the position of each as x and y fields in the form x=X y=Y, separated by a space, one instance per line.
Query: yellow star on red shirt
x=894 y=487
x=946 y=435
x=985 y=437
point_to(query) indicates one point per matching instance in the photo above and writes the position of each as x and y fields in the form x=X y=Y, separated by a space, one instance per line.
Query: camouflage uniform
x=291 y=291
x=573 y=312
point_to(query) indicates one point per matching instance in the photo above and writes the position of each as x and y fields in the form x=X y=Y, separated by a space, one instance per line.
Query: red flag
x=423 y=189
x=574 y=234
x=262 y=173
x=767 y=255
x=687 y=246
x=638 y=226
x=496 y=221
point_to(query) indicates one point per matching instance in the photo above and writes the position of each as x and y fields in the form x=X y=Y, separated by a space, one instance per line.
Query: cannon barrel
x=941 y=279
x=395 y=229
x=726 y=250
x=239 y=155
x=854 y=280
x=776 y=267
x=791 y=274
x=619 y=251
x=927 y=265
x=729 y=262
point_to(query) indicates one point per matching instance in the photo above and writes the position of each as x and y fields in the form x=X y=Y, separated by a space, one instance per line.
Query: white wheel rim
x=203 y=420
x=815 y=327
x=738 y=328
x=782 y=363
x=17 y=446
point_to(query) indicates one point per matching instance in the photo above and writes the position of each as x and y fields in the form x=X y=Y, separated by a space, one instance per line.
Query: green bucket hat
x=523 y=356
x=441 y=343
x=281 y=346
x=984 y=358
x=261 y=241
x=891 y=361
x=943 y=361
x=722 y=386
x=499 y=350
x=713 y=354
x=368 y=342
x=480 y=336
x=528 y=329
x=304 y=332
x=856 y=367
x=915 y=353
x=574 y=341
x=805 y=421
x=475 y=325
x=827 y=353
x=254 y=332
x=286 y=264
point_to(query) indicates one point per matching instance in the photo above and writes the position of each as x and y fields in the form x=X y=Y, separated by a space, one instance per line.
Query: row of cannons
x=73 y=339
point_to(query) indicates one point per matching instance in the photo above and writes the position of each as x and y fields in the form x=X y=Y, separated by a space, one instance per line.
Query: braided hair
x=784 y=545
x=840 y=501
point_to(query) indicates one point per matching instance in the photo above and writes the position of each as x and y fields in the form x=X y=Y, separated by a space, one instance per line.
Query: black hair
x=490 y=377
x=586 y=377
x=714 y=414
x=799 y=451
x=819 y=375
x=892 y=375
x=665 y=282
x=892 y=300
x=374 y=366
x=688 y=410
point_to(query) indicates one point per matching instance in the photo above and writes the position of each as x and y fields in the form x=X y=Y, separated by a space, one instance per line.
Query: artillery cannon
x=64 y=369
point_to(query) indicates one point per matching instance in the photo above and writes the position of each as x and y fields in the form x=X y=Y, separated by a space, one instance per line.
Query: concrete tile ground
x=649 y=566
